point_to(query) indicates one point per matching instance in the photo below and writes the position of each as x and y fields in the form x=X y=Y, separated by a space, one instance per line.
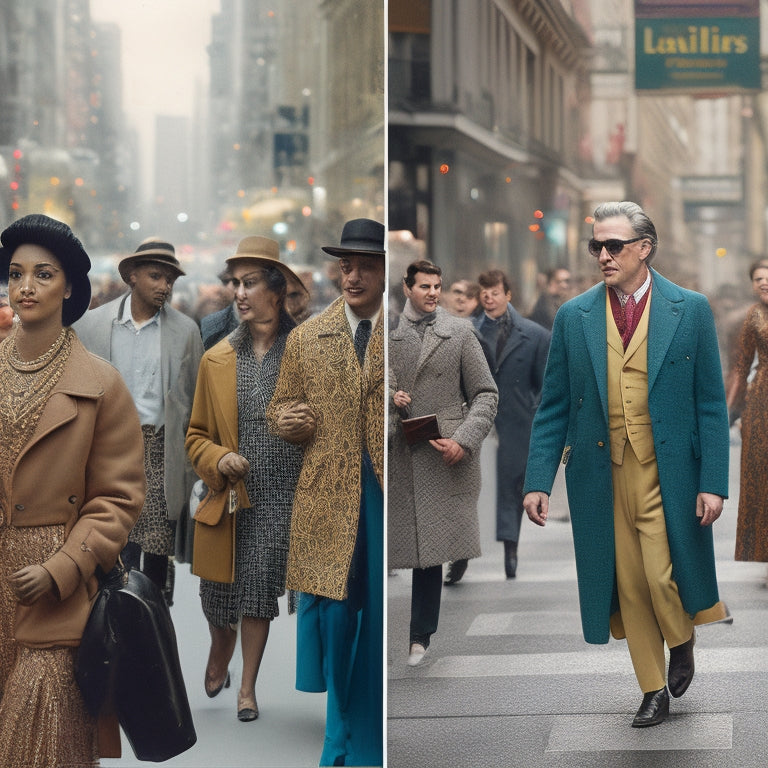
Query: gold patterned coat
x=320 y=368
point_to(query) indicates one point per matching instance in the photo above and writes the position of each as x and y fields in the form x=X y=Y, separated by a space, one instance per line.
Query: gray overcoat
x=432 y=508
x=182 y=349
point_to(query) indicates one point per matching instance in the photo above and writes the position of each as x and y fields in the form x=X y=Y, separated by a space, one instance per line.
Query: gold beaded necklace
x=28 y=366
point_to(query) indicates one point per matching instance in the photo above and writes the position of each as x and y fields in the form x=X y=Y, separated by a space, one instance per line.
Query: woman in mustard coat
x=229 y=444
x=71 y=488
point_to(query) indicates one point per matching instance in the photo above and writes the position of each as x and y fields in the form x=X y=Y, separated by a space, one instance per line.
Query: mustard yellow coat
x=213 y=423
x=320 y=368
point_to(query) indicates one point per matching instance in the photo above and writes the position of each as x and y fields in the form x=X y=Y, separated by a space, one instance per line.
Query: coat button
x=600 y=444
x=72 y=499
x=19 y=507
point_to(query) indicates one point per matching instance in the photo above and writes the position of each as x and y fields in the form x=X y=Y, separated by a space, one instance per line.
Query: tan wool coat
x=83 y=468
x=320 y=368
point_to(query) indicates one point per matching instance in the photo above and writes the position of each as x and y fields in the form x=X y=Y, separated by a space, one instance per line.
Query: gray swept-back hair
x=641 y=225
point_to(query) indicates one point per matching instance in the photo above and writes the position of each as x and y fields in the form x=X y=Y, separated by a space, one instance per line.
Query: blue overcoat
x=689 y=419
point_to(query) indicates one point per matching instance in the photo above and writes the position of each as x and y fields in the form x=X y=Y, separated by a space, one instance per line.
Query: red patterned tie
x=629 y=320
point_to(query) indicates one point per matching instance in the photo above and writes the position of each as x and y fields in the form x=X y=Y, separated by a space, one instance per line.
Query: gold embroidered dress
x=39 y=697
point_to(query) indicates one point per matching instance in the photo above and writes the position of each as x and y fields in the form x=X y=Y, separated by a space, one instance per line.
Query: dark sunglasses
x=613 y=246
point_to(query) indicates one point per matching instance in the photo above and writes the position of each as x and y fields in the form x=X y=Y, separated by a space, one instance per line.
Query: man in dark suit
x=516 y=350
x=218 y=325
x=633 y=404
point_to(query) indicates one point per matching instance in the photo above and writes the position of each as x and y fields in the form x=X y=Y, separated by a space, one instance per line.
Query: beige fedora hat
x=265 y=252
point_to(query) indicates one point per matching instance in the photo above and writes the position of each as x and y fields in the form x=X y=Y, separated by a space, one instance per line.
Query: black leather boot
x=681 y=667
x=510 y=559
x=456 y=569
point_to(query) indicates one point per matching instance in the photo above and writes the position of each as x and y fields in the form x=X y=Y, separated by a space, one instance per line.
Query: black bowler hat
x=150 y=251
x=361 y=236
x=58 y=238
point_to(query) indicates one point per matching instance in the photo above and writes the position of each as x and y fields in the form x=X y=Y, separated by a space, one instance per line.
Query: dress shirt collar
x=126 y=318
x=638 y=294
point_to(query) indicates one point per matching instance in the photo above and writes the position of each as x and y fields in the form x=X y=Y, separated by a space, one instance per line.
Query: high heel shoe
x=245 y=712
x=211 y=692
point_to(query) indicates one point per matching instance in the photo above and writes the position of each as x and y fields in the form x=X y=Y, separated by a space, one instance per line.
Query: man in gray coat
x=157 y=349
x=436 y=367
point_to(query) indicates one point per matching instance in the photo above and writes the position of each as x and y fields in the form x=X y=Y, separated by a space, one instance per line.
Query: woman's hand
x=31 y=583
x=234 y=466
x=297 y=423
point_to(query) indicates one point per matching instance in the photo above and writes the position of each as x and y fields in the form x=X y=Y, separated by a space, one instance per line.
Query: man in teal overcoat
x=633 y=404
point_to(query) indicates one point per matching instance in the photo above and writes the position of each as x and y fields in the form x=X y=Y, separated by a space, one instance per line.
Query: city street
x=509 y=681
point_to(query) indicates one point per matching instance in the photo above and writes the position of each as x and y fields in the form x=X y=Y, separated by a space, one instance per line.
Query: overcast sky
x=164 y=56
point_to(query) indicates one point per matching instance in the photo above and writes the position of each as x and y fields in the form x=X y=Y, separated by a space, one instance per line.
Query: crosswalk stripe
x=609 y=733
x=600 y=660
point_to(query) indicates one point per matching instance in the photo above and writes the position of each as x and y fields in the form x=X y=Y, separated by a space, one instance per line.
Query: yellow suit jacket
x=320 y=368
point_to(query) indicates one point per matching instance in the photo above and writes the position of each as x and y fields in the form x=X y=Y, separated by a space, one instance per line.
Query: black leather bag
x=128 y=664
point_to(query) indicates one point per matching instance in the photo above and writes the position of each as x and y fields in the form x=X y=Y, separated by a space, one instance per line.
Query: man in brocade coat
x=329 y=399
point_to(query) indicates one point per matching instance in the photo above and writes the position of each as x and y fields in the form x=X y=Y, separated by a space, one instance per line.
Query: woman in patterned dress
x=752 y=392
x=71 y=487
x=229 y=443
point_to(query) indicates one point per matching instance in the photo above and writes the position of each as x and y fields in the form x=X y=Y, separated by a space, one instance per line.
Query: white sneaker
x=416 y=654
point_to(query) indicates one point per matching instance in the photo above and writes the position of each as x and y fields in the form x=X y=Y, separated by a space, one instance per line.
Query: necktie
x=629 y=319
x=362 y=334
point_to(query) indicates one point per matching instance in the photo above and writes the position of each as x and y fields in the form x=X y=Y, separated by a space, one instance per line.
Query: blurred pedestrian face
x=37 y=286
x=457 y=299
x=296 y=298
x=255 y=301
x=228 y=286
x=425 y=292
x=362 y=283
x=494 y=300
x=626 y=269
x=151 y=286
x=560 y=284
x=760 y=284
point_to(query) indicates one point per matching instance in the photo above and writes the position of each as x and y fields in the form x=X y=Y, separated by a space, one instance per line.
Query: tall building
x=60 y=115
x=296 y=131
x=485 y=127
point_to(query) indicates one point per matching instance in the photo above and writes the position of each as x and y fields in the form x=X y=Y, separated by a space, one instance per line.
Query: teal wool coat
x=689 y=418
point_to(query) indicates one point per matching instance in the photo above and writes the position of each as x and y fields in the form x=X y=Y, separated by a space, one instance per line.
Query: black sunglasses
x=614 y=246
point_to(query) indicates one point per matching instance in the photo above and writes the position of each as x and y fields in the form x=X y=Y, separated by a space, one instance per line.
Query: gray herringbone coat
x=432 y=508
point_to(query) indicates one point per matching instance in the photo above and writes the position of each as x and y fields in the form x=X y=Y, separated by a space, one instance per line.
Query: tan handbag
x=213 y=552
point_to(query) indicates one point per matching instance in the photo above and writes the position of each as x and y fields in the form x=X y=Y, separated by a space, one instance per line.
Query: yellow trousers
x=650 y=606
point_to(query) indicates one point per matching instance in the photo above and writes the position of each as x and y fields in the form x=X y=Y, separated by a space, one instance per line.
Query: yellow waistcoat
x=628 y=416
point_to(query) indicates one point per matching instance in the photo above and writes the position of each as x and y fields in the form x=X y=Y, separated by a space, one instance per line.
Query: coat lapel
x=223 y=375
x=667 y=308
x=77 y=380
x=434 y=335
x=593 y=319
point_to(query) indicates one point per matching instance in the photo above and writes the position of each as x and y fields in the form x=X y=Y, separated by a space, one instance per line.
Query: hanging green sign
x=698 y=52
